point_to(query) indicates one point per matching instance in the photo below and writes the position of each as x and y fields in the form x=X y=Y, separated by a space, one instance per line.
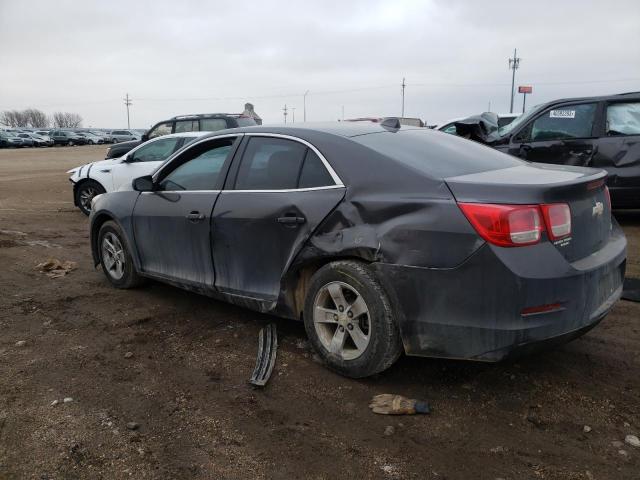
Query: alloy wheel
x=341 y=320
x=85 y=197
x=113 y=256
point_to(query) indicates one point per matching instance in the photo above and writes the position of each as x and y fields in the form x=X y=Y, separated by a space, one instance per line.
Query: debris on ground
x=388 y=404
x=54 y=268
x=632 y=440
x=128 y=355
x=586 y=429
x=67 y=400
x=54 y=403
x=21 y=343
x=267 y=347
x=389 y=430
x=133 y=426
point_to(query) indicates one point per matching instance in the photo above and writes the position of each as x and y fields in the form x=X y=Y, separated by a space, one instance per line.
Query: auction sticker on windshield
x=562 y=114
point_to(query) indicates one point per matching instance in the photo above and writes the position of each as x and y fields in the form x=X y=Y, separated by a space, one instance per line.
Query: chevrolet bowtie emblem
x=598 y=209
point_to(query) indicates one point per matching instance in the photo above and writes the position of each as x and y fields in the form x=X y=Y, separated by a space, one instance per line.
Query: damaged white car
x=117 y=173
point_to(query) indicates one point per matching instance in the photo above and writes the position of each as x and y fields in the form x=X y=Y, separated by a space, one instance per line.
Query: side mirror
x=144 y=137
x=143 y=184
x=128 y=158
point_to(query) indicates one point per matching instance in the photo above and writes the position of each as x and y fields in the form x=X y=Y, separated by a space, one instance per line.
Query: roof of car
x=342 y=129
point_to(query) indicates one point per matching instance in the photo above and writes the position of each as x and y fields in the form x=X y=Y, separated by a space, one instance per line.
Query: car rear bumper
x=475 y=311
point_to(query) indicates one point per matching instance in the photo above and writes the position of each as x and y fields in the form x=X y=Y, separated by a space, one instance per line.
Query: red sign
x=525 y=89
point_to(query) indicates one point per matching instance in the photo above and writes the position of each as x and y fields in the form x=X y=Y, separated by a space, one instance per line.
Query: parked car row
x=65 y=137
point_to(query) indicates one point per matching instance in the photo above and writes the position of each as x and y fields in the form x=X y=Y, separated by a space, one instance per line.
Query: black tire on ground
x=85 y=192
x=129 y=278
x=384 y=344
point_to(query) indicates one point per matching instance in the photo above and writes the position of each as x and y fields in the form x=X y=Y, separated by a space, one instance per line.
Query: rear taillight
x=518 y=225
x=505 y=225
x=557 y=216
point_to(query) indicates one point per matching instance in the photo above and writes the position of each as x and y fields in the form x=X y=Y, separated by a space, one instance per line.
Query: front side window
x=270 y=164
x=212 y=124
x=160 y=130
x=451 y=129
x=187 y=126
x=202 y=172
x=157 y=151
x=623 y=119
x=565 y=122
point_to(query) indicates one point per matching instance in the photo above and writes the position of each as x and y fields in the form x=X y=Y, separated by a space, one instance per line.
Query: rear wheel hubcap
x=341 y=320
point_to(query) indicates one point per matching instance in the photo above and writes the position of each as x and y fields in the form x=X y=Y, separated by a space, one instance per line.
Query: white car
x=117 y=173
x=118 y=136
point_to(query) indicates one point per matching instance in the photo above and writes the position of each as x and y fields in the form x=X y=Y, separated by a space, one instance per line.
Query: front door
x=172 y=226
x=281 y=193
x=560 y=135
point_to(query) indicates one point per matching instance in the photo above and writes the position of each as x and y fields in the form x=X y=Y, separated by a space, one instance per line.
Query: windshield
x=507 y=129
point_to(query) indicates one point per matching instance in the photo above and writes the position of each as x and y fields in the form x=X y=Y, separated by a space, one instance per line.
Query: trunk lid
x=583 y=189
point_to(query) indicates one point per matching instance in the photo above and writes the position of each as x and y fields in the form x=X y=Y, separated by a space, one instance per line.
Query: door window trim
x=334 y=176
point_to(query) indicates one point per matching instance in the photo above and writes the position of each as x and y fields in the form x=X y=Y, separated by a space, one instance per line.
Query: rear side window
x=314 y=173
x=623 y=119
x=436 y=154
x=186 y=126
x=568 y=121
x=270 y=164
x=212 y=124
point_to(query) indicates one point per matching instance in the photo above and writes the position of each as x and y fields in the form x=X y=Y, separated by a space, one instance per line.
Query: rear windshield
x=436 y=154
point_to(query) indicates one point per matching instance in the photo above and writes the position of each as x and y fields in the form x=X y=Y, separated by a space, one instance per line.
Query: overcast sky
x=212 y=56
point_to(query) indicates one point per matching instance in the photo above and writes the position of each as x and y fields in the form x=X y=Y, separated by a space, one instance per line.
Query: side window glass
x=450 y=129
x=160 y=130
x=212 y=124
x=201 y=172
x=270 y=164
x=186 y=126
x=623 y=119
x=157 y=151
x=568 y=121
x=314 y=173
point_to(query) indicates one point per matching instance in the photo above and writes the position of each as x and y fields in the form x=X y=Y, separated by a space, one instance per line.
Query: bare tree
x=14 y=118
x=66 y=120
x=36 y=118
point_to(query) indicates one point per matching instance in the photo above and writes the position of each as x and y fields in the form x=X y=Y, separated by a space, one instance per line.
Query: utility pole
x=304 y=106
x=128 y=103
x=343 y=113
x=293 y=114
x=403 y=85
x=489 y=106
x=514 y=63
x=285 y=113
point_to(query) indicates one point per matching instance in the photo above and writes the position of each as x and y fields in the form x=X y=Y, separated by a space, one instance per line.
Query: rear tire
x=85 y=193
x=349 y=320
x=115 y=259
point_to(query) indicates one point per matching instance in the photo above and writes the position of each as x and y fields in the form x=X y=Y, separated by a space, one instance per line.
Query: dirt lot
x=185 y=383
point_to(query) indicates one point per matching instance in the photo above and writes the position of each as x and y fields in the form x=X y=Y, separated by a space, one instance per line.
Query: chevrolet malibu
x=382 y=240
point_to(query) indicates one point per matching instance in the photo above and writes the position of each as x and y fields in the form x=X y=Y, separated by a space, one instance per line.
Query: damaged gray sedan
x=383 y=240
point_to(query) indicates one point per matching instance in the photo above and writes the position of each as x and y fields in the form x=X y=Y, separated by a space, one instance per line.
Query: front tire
x=85 y=193
x=349 y=320
x=115 y=259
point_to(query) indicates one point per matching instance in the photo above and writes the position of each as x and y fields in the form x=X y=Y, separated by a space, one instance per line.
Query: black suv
x=205 y=122
x=600 y=132
x=65 y=137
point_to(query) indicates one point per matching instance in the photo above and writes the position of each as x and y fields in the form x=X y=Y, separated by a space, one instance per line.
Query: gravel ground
x=152 y=383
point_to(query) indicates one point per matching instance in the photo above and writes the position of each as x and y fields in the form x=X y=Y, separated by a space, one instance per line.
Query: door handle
x=195 y=217
x=580 y=153
x=291 y=220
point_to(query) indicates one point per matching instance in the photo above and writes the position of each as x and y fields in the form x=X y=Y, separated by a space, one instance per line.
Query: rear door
x=281 y=189
x=172 y=226
x=561 y=135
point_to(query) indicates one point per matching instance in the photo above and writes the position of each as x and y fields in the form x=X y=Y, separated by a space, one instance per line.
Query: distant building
x=250 y=112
